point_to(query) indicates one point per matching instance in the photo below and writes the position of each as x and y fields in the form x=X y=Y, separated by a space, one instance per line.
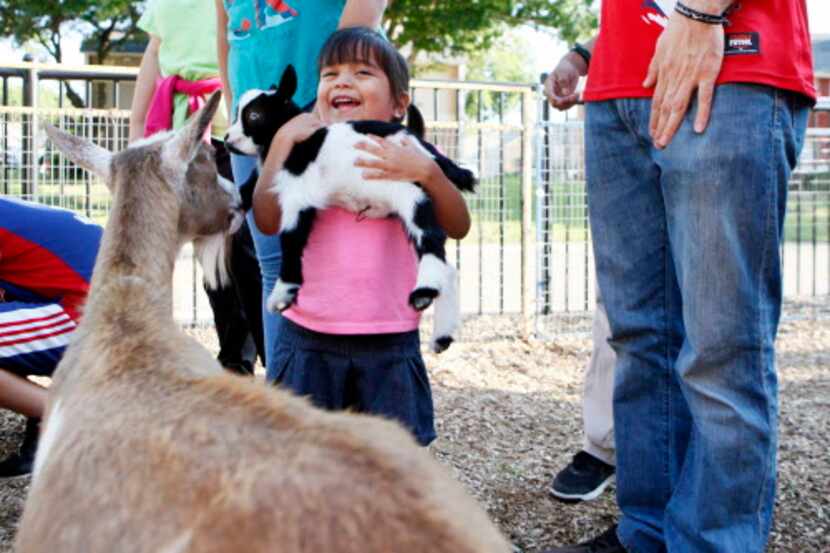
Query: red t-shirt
x=768 y=42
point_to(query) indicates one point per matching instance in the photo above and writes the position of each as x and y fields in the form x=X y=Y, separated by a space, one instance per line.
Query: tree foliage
x=467 y=26
x=443 y=26
x=505 y=61
x=108 y=23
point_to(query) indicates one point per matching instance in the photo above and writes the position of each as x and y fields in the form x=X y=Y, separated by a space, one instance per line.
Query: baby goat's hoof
x=282 y=296
x=441 y=344
x=421 y=298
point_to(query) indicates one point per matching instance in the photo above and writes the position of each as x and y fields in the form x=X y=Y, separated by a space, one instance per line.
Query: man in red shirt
x=695 y=117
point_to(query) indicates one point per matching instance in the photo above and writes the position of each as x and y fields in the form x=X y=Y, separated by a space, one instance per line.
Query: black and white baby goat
x=320 y=172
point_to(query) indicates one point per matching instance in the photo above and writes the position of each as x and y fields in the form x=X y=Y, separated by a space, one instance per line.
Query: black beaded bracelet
x=582 y=52
x=708 y=18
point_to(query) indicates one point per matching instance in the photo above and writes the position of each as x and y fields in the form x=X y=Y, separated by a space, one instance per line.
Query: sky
x=545 y=53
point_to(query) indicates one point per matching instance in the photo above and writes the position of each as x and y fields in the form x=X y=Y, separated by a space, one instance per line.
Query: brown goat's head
x=181 y=167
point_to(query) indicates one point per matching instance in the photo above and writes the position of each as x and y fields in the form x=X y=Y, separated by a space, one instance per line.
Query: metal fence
x=565 y=292
x=529 y=248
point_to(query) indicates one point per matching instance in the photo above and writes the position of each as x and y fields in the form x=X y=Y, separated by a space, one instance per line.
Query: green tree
x=108 y=23
x=505 y=61
x=467 y=26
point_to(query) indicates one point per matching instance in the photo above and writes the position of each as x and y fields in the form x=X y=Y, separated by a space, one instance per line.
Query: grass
x=807 y=219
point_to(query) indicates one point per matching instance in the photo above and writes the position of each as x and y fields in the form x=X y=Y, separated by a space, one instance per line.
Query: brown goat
x=150 y=447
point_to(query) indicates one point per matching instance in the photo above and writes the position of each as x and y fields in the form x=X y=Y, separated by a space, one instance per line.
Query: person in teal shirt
x=256 y=40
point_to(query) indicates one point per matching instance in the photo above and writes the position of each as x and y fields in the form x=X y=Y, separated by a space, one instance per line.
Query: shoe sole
x=26 y=475
x=576 y=498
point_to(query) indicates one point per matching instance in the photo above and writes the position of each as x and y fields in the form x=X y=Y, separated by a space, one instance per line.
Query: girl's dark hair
x=363 y=45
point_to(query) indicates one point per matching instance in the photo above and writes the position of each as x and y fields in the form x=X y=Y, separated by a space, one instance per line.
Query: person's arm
x=560 y=86
x=687 y=59
x=362 y=13
x=145 y=85
x=267 y=211
x=222 y=55
x=406 y=162
x=21 y=395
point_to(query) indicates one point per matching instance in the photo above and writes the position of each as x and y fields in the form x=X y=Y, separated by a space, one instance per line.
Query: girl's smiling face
x=356 y=91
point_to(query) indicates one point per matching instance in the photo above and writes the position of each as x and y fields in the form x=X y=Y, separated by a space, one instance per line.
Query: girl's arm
x=267 y=211
x=362 y=13
x=406 y=162
x=222 y=54
x=145 y=85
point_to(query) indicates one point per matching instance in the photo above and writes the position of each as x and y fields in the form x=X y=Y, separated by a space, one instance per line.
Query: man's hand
x=688 y=57
x=560 y=86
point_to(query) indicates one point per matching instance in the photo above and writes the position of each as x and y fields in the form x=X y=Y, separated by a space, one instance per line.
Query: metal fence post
x=543 y=211
x=35 y=104
x=27 y=155
x=528 y=249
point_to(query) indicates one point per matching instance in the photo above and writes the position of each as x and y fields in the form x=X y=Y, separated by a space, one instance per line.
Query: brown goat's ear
x=185 y=142
x=91 y=157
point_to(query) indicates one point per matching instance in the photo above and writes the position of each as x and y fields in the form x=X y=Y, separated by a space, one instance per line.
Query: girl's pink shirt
x=357 y=276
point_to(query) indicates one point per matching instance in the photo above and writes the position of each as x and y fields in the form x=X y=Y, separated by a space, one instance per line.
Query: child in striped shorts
x=46 y=260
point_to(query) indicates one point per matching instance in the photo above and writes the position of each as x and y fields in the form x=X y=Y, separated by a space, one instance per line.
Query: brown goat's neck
x=134 y=271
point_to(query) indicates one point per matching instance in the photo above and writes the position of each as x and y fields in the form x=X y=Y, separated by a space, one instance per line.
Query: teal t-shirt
x=264 y=36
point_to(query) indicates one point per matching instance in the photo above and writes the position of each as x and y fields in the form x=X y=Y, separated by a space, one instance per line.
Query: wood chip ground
x=509 y=416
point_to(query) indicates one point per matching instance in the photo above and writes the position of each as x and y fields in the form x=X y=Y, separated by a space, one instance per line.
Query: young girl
x=351 y=339
x=256 y=40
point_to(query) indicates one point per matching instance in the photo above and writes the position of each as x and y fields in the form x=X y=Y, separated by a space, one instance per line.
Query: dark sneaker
x=607 y=542
x=244 y=368
x=583 y=479
x=20 y=463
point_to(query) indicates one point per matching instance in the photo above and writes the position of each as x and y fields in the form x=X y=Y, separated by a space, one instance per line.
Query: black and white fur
x=320 y=172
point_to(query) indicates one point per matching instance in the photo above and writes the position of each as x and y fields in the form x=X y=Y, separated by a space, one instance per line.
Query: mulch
x=508 y=416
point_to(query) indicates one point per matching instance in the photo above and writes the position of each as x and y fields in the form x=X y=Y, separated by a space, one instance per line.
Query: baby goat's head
x=178 y=171
x=260 y=113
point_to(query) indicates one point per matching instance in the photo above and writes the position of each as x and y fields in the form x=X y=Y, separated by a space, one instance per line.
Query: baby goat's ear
x=90 y=156
x=288 y=83
x=185 y=143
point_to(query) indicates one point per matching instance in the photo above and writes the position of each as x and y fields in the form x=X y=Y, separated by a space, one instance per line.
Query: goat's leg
x=436 y=278
x=447 y=315
x=429 y=239
x=293 y=239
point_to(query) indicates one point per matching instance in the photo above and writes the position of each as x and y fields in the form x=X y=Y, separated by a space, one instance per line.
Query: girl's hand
x=297 y=129
x=267 y=210
x=407 y=162
x=392 y=161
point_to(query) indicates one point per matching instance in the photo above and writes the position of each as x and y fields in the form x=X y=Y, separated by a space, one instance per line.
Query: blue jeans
x=687 y=254
x=268 y=253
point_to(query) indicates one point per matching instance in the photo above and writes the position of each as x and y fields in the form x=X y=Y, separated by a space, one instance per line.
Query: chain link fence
x=565 y=291
x=528 y=252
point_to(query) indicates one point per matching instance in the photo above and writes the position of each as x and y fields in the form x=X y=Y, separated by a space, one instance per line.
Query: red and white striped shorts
x=33 y=337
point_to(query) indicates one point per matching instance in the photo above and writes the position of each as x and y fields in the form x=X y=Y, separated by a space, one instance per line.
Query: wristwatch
x=582 y=52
